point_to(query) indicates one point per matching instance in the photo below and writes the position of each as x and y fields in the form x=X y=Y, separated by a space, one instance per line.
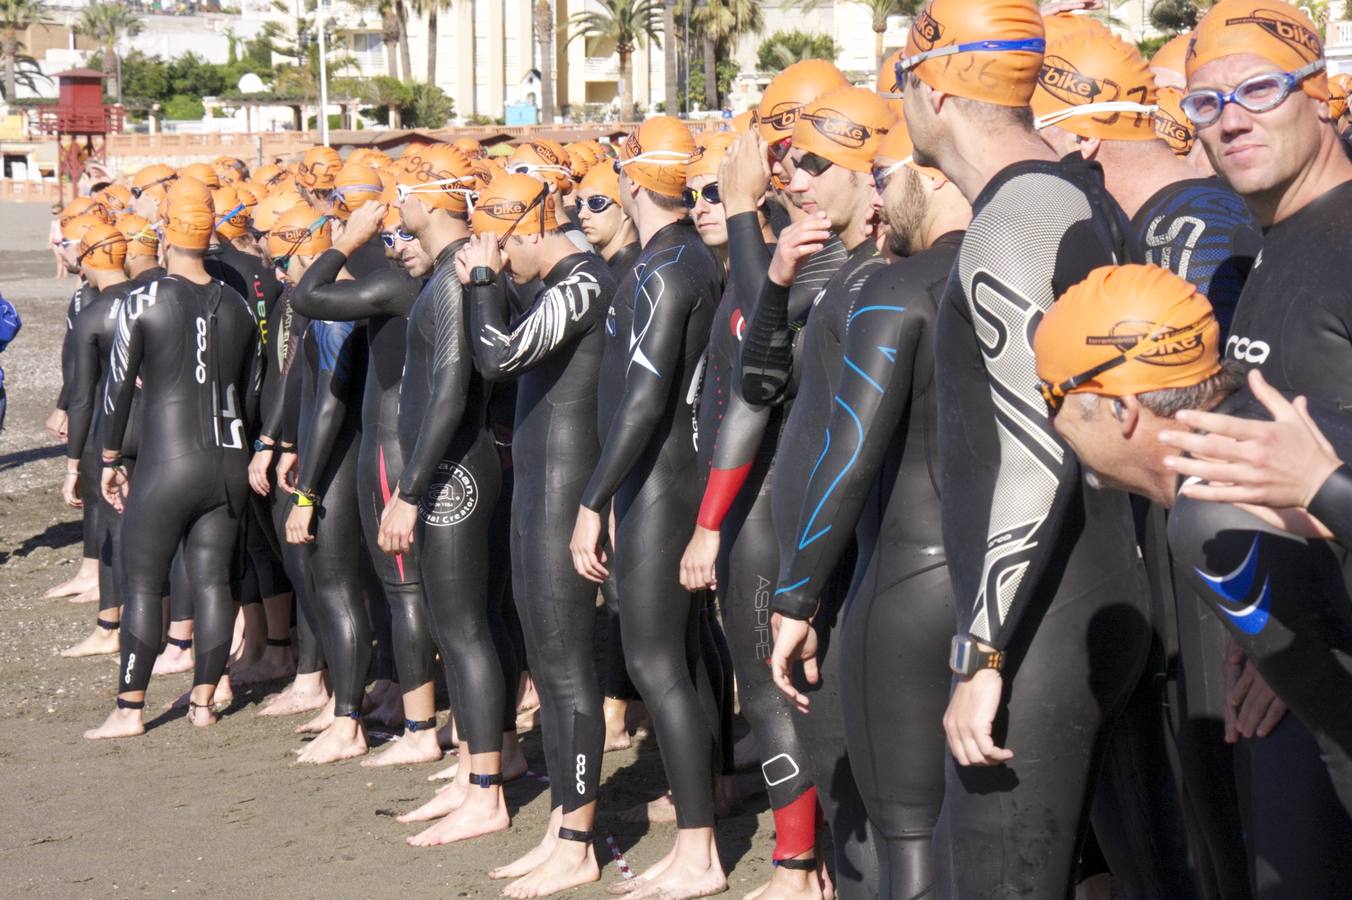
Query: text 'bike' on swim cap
x=1028 y=45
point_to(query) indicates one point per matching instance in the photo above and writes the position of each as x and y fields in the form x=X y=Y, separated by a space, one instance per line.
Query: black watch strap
x=1332 y=504
x=482 y=276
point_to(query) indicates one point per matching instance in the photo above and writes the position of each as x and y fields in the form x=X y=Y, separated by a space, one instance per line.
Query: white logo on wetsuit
x=1246 y=350
x=450 y=498
x=580 y=771
x=201 y=371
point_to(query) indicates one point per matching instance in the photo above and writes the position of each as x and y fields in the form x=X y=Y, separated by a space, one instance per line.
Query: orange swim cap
x=888 y=86
x=231 y=213
x=300 y=231
x=153 y=180
x=654 y=155
x=231 y=169
x=582 y=155
x=742 y=122
x=845 y=126
x=898 y=149
x=203 y=173
x=142 y=238
x=1170 y=57
x=545 y=159
x=249 y=194
x=84 y=206
x=1276 y=31
x=710 y=148
x=354 y=185
x=485 y=170
x=189 y=214
x=986 y=50
x=790 y=91
x=116 y=198
x=515 y=203
x=1095 y=86
x=367 y=156
x=411 y=158
x=268 y=173
x=1064 y=24
x=602 y=180
x=103 y=247
x=1149 y=327
x=1171 y=124
x=318 y=168
x=442 y=179
x=470 y=147
x=265 y=215
x=75 y=228
x=1340 y=86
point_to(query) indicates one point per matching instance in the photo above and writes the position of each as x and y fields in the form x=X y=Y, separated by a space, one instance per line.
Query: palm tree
x=670 y=80
x=389 y=35
x=722 y=24
x=405 y=58
x=544 y=36
x=879 y=11
x=108 y=23
x=431 y=7
x=628 y=24
x=17 y=16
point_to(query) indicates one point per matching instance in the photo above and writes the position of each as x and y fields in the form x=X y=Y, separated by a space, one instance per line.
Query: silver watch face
x=961 y=655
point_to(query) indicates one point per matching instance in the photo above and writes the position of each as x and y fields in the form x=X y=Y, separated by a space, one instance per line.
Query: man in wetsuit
x=100 y=255
x=1118 y=357
x=554 y=351
x=143 y=249
x=148 y=188
x=647 y=466
x=874 y=479
x=1043 y=565
x=194 y=343
x=447 y=491
x=1258 y=96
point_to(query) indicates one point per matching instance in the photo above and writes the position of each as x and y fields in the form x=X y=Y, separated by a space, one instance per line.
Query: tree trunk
x=11 y=65
x=110 y=67
x=670 y=88
x=389 y=36
x=710 y=73
x=432 y=41
x=394 y=115
x=405 y=59
x=878 y=43
x=626 y=87
x=544 y=36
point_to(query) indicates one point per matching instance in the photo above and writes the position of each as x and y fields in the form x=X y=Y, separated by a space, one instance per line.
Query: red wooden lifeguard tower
x=81 y=123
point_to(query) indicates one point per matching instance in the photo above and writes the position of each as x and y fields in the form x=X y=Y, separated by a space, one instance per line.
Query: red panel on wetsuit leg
x=718 y=496
x=796 y=826
x=385 y=498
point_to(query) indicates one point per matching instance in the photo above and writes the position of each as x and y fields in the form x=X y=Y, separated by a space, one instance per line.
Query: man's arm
x=335 y=389
x=384 y=292
x=83 y=384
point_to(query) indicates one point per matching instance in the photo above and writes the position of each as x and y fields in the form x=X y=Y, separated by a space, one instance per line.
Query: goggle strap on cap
x=657 y=158
x=98 y=245
x=226 y=217
x=1090 y=109
x=896 y=166
x=1030 y=45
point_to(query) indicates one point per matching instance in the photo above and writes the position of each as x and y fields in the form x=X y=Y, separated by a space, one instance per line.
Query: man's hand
x=298 y=525
x=115 y=486
x=697 y=565
x=588 y=557
x=970 y=717
x=361 y=226
x=396 y=526
x=70 y=489
x=744 y=174
x=258 y=472
x=796 y=243
x=56 y=424
x=1280 y=464
x=1252 y=708
x=482 y=250
x=286 y=471
x=795 y=641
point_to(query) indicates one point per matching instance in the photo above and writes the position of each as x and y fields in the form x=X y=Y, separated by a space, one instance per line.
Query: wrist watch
x=966 y=658
x=482 y=276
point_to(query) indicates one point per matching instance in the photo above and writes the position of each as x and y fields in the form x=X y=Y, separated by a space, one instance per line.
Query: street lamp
x=323 y=77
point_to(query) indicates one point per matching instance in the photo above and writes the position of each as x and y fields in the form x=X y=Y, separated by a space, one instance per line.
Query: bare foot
x=661 y=811
x=447 y=773
x=102 y=641
x=414 y=748
x=89 y=596
x=344 y=739
x=320 y=722
x=652 y=873
x=119 y=724
x=527 y=698
x=480 y=814
x=680 y=880
x=202 y=716
x=78 y=584
x=224 y=696
x=174 y=659
x=617 y=733
x=274 y=665
x=444 y=802
x=297 y=698
x=789 y=884
x=572 y=863
x=537 y=855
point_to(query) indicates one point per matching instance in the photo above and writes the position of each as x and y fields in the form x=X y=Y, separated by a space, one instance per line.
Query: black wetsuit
x=196 y=349
x=737 y=447
x=338 y=573
x=382 y=298
x=810 y=366
x=90 y=347
x=89 y=458
x=1294 y=321
x=453 y=474
x=554 y=352
x=1049 y=570
x=877 y=475
x=648 y=467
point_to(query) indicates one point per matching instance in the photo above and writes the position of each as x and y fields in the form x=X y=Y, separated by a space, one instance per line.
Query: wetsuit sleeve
x=452 y=366
x=82 y=386
x=880 y=346
x=767 y=347
x=124 y=366
x=291 y=406
x=562 y=314
x=333 y=392
x=662 y=305
x=68 y=350
x=735 y=446
x=748 y=255
x=1332 y=504
x=384 y=292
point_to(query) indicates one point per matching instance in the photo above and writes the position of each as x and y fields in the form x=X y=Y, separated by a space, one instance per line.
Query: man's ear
x=1089 y=147
x=1127 y=411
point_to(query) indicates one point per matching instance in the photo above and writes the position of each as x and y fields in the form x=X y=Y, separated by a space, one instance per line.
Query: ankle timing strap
x=416 y=725
x=279 y=642
x=108 y=626
x=485 y=781
x=797 y=865
x=572 y=834
x=130 y=704
x=180 y=643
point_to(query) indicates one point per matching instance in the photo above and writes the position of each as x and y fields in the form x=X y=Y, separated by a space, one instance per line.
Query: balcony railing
x=73 y=120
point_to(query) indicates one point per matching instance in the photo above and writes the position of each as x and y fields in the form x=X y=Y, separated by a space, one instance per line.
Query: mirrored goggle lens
x=599 y=204
x=709 y=192
x=813 y=164
x=779 y=149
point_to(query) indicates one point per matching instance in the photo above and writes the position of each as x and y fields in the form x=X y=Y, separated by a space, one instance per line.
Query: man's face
x=627 y=199
x=782 y=167
x=519 y=255
x=842 y=194
x=410 y=254
x=1258 y=152
x=69 y=249
x=413 y=214
x=710 y=218
x=600 y=228
x=1087 y=424
x=903 y=206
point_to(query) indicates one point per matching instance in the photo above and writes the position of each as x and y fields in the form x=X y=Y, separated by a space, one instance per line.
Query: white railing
x=1339 y=34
